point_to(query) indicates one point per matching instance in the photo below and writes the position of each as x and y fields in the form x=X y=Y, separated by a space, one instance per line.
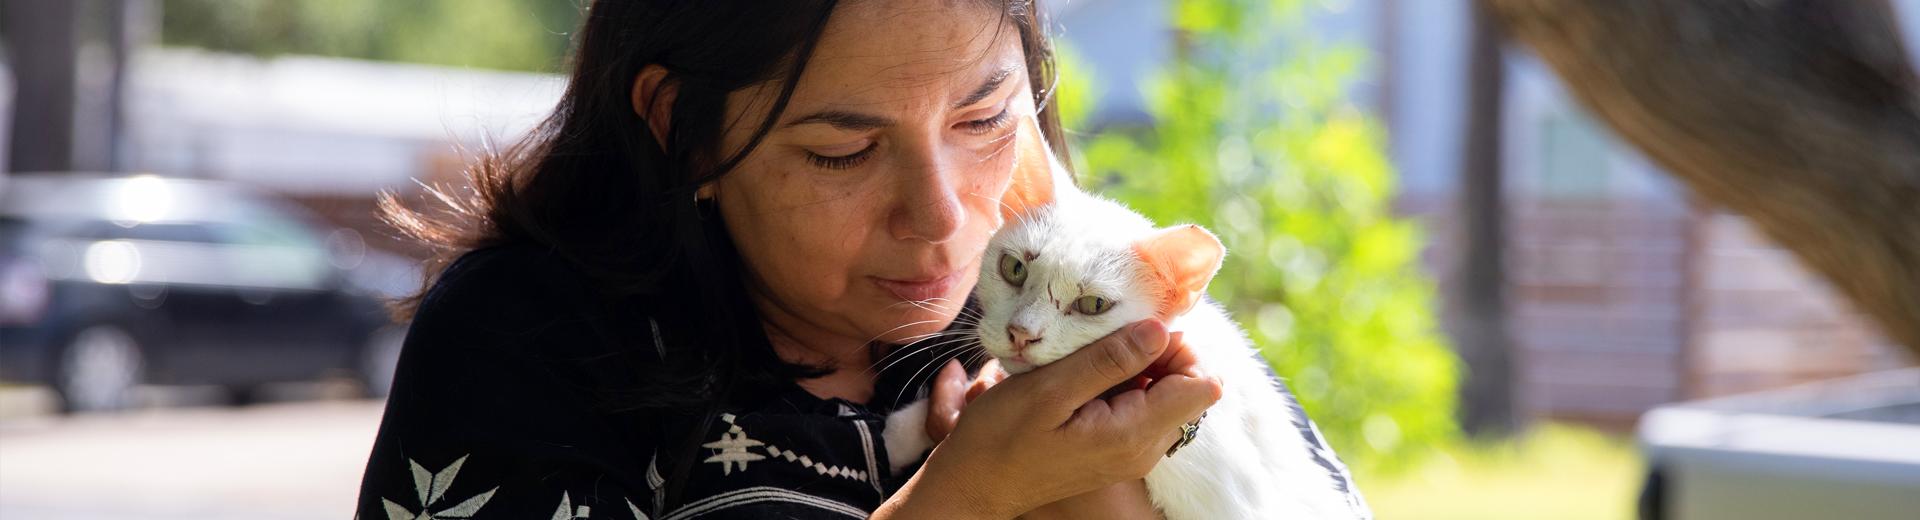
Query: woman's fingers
x=1049 y=436
x=990 y=374
x=1180 y=393
x=1176 y=359
x=1063 y=386
x=946 y=398
x=1179 y=398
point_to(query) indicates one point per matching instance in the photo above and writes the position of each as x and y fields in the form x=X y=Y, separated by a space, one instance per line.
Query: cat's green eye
x=1013 y=270
x=1091 y=305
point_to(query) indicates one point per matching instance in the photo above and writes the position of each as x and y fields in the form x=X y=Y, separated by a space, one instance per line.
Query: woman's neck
x=797 y=341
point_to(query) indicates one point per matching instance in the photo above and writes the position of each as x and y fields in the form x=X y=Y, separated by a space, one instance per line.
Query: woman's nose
x=929 y=204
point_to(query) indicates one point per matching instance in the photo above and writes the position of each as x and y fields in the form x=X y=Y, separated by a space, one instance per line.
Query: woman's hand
x=1044 y=436
x=1122 y=501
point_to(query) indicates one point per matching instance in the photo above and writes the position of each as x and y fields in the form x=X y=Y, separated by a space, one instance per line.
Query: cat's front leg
x=906 y=435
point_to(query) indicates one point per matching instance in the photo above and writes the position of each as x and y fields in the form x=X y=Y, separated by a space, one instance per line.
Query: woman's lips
x=919 y=290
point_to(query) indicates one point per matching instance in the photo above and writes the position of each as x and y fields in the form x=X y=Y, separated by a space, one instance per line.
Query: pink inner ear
x=1183 y=259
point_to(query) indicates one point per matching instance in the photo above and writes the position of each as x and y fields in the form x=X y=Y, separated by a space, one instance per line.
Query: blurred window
x=166 y=232
x=269 y=248
x=1573 y=158
x=11 y=229
x=258 y=224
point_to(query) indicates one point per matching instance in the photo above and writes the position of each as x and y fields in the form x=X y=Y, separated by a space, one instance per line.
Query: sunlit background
x=1494 y=306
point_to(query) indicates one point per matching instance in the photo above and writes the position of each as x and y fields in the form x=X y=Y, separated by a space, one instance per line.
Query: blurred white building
x=319 y=126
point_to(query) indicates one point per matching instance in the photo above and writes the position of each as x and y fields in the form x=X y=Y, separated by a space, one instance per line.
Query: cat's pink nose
x=1020 y=337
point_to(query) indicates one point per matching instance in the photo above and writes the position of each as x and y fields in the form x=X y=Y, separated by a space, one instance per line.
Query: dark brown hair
x=592 y=184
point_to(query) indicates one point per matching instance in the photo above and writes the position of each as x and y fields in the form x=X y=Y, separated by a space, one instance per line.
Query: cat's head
x=1072 y=268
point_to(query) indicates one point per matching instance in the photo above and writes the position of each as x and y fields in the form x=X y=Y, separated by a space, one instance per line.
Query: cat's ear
x=1033 y=174
x=1182 y=259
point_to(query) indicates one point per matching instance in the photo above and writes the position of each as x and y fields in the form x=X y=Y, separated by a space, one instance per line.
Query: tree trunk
x=1487 y=398
x=1799 y=114
x=43 y=47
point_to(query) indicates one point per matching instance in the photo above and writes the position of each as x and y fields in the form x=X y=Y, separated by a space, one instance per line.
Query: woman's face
x=863 y=214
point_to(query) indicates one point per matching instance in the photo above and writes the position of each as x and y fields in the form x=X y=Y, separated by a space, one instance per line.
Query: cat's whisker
x=923 y=338
x=962 y=307
x=1021 y=217
x=902 y=394
x=925 y=306
x=922 y=304
x=948 y=302
x=935 y=345
x=901 y=355
x=916 y=338
x=1005 y=142
x=920 y=338
x=890 y=331
x=1002 y=201
x=937 y=362
x=980 y=357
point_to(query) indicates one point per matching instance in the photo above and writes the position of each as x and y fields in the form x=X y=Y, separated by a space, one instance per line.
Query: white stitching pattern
x=735 y=449
x=751 y=495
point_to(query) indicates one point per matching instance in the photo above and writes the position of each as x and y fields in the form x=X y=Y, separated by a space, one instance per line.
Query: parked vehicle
x=110 y=282
x=1842 y=448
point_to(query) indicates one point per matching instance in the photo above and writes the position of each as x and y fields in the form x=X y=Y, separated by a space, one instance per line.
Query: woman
x=675 y=298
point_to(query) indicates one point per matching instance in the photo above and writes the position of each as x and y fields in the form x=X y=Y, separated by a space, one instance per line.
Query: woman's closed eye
x=848 y=156
x=983 y=126
x=839 y=157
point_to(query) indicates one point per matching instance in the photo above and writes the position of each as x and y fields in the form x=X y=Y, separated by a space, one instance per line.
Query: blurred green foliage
x=1252 y=136
x=528 y=35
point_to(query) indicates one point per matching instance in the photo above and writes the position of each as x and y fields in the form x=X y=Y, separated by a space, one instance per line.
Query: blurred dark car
x=109 y=282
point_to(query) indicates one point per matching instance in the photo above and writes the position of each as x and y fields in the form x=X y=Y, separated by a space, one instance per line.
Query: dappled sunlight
x=1556 y=471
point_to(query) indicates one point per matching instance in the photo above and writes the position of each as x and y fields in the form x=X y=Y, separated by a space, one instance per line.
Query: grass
x=1553 y=472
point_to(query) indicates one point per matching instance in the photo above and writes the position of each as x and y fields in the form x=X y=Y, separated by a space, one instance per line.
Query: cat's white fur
x=1249 y=460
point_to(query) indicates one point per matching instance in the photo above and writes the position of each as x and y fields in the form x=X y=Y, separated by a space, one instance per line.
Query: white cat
x=1069 y=268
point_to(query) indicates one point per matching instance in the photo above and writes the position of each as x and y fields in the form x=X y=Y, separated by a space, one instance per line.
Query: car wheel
x=243 y=395
x=379 y=358
x=99 y=370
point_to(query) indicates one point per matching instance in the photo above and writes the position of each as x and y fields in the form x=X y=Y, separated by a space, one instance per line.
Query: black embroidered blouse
x=499 y=409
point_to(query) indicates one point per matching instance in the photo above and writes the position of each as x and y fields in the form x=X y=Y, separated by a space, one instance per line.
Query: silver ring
x=1187 y=432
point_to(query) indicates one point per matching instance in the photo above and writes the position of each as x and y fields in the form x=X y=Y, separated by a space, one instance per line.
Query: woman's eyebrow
x=855 y=121
x=851 y=121
x=986 y=89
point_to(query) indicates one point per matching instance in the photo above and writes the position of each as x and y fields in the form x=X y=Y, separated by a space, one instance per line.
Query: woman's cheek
x=986 y=186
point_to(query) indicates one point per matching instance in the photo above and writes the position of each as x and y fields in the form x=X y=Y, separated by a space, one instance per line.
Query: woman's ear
x=653 y=101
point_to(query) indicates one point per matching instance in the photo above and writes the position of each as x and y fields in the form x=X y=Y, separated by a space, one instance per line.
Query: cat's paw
x=906 y=435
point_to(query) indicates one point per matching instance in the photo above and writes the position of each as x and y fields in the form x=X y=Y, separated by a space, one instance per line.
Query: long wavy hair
x=592 y=184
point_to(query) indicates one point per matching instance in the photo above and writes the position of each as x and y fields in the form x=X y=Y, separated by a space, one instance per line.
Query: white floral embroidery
x=566 y=511
x=430 y=488
x=734 y=445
